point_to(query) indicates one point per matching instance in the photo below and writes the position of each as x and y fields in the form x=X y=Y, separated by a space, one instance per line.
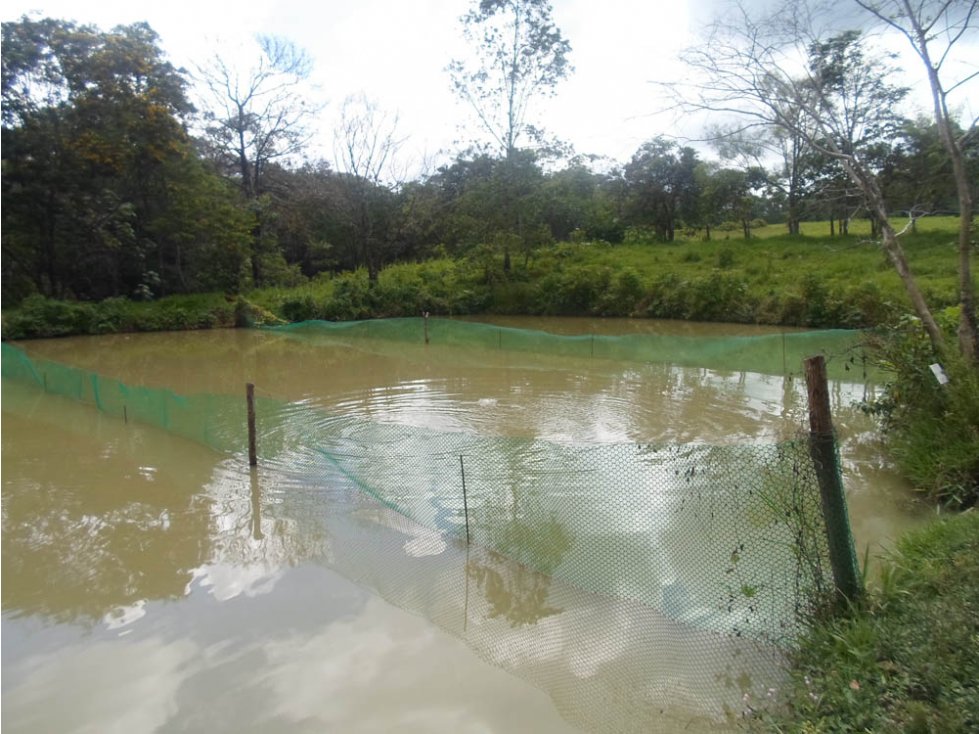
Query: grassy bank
x=804 y=281
x=907 y=659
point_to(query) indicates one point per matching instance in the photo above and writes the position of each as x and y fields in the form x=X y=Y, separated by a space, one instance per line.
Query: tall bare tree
x=255 y=115
x=366 y=146
x=781 y=70
x=938 y=30
x=519 y=56
x=258 y=114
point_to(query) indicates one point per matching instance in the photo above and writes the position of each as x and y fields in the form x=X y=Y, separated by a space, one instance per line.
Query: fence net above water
x=772 y=354
x=718 y=550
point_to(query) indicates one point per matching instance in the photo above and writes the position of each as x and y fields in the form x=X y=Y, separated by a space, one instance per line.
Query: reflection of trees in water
x=100 y=516
x=525 y=539
x=103 y=524
x=515 y=592
x=253 y=528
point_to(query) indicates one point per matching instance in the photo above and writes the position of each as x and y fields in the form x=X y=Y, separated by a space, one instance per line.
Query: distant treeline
x=107 y=194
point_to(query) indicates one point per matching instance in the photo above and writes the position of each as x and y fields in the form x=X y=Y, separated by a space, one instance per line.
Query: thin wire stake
x=465 y=502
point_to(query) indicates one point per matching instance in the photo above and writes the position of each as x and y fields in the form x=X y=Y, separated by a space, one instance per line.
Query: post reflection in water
x=149 y=555
x=256 y=505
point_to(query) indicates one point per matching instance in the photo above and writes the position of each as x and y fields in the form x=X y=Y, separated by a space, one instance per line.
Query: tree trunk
x=968 y=332
x=892 y=245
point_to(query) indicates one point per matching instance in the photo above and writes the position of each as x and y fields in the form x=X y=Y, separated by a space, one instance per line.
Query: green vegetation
x=44 y=317
x=905 y=660
x=932 y=428
x=770 y=279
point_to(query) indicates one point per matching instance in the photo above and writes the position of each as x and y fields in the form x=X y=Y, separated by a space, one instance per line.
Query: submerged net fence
x=717 y=553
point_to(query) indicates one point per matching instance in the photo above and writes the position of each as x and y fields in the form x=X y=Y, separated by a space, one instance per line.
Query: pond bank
x=905 y=659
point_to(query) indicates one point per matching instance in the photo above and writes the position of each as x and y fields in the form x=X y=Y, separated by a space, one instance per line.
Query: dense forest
x=114 y=184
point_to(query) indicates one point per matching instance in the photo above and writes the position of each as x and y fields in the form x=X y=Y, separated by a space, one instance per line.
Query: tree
x=662 y=186
x=917 y=174
x=520 y=55
x=726 y=195
x=937 y=31
x=256 y=116
x=97 y=165
x=841 y=103
x=755 y=148
x=367 y=144
x=576 y=203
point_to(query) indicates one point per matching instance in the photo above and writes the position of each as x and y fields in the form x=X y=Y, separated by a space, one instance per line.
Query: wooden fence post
x=822 y=448
x=425 y=314
x=252 y=452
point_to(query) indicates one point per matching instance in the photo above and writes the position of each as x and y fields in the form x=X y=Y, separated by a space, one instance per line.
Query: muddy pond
x=151 y=583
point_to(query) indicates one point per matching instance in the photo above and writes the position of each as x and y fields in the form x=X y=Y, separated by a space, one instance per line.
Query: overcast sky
x=396 y=53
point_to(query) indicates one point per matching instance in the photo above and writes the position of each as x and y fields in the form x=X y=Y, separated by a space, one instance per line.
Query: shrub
x=932 y=430
x=299 y=309
x=45 y=317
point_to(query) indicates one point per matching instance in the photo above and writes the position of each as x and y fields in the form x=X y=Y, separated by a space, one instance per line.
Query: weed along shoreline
x=803 y=281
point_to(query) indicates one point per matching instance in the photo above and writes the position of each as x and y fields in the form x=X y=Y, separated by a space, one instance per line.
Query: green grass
x=907 y=660
x=815 y=281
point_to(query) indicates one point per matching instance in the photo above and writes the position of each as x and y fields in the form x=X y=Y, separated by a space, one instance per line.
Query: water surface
x=216 y=597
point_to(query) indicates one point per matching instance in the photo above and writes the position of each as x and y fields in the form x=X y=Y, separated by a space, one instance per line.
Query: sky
x=396 y=51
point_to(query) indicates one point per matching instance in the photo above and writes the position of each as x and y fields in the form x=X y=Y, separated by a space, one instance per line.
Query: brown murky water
x=150 y=584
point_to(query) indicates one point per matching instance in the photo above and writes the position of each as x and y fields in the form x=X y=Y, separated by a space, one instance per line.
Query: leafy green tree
x=754 y=148
x=662 y=186
x=916 y=175
x=579 y=204
x=724 y=196
x=311 y=227
x=95 y=162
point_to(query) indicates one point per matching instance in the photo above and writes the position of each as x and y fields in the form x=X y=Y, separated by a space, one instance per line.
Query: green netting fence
x=727 y=538
x=774 y=354
x=722 y=543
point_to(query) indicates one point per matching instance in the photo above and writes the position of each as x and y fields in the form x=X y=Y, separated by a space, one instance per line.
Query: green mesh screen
x=717 y=544
x=774 y=354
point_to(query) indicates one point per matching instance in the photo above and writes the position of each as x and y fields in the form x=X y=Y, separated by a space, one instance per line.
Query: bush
x=40 y=317
x=45 y=317
x=932 y=430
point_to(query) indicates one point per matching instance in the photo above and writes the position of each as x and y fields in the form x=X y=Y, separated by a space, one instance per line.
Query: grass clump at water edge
x=906 y=659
